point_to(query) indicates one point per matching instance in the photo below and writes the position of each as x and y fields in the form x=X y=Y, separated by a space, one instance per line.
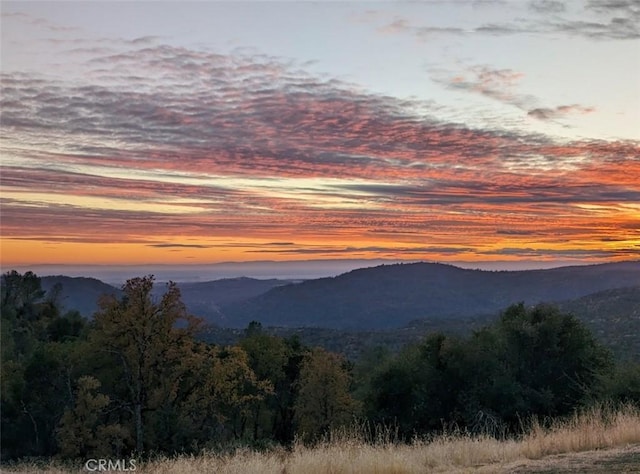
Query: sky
x=191 y=133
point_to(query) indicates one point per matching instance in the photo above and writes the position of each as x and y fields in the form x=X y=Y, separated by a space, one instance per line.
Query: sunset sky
x=459 y=130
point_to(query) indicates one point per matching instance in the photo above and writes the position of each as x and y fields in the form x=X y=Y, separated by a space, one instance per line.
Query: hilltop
x=78 y=293
x=391 y=296
x=382 y=297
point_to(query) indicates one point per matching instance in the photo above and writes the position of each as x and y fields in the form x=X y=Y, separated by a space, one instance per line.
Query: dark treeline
x=136 y=379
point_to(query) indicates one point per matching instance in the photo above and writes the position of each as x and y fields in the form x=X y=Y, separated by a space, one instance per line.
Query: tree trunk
x=255 y=423
x=139 y=431
x=33 y=424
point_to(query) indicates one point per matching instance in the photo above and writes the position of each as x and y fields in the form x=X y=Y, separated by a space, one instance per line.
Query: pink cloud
x=373 y=167
x=545 y=113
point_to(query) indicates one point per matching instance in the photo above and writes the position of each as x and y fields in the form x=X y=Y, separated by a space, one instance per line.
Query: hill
x=78 y=293
x=201 y=299
x=204 y=299
x=612 y=315
x=614 y=318
x=390 y=296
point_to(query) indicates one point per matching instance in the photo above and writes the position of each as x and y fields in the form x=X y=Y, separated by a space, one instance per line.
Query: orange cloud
x=228 y=154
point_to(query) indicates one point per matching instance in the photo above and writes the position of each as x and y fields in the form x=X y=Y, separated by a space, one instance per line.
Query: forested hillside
x=614 y=318
x=77 y=293
x=390 y=296
x=201 y=298
x=384 y=297
x=136 y=380
x=205 y=299
x=612 y=315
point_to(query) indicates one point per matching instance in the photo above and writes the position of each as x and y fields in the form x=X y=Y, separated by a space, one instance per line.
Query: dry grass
x=599 y=428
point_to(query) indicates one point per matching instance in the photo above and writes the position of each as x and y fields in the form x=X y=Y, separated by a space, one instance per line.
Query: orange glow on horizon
x=23 y=253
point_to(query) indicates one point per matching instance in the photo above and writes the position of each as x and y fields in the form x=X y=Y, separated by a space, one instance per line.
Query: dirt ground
x=610 y=461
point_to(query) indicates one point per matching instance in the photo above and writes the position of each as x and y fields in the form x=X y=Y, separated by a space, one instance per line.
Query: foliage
x=38 y=344
x=219 y=404
x=144 y=341
x=269 y=357
x=81 y=432
x=532 y=362
x=621 y=385
x=324 y=401
x=136 y=380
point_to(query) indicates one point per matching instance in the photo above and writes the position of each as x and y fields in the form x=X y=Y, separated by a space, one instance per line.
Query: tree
x=324 y=401
x=151 y=344
x=531 y=362
x=82 y=431
x=21 y=318
x=267 y=357
x=552 y=356
x=286 y=391
x=418 y=390
x=20 y=291
x=219 y=398
x=36 y=365
x=276 y=361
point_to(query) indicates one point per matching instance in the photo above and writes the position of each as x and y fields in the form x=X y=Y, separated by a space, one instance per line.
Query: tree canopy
x=138 y=379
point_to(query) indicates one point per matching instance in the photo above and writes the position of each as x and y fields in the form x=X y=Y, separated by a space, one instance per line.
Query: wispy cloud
x=571 y=252
x=547 y=6
x=498 y=84
x=543 y=113
x=596 y=20
x=502 y=85
x=158 y=141
x=179 y=246
x=39 y=22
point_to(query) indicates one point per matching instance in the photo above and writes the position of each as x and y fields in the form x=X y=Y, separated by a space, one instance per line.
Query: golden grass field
x=591 y=437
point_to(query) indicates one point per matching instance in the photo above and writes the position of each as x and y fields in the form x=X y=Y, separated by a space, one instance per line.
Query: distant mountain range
x=383 y=297
x=390 y=296
x=205 y=299
x=391 y=305
x=201 y=298
x=612 y=315
x=78 y=293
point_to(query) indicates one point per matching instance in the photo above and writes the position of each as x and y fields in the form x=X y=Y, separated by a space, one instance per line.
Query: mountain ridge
x=389 y=296
x=382 y=297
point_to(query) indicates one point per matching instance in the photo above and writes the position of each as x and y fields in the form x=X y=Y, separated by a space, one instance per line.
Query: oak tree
x=150 y=342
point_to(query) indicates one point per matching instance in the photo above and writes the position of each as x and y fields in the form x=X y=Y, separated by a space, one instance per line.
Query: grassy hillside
x=353 y=452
